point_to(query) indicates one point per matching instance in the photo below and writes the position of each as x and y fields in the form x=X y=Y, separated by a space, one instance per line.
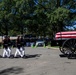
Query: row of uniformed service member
x=19 y=47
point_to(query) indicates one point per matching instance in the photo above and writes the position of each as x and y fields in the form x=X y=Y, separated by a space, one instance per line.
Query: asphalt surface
x=38 y=61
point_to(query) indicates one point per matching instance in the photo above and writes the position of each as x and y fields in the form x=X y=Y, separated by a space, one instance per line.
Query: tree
x=58 y=19
x=6 y=12
x=39 y=17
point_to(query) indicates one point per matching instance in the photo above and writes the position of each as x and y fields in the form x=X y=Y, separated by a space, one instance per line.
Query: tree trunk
x=58 y=3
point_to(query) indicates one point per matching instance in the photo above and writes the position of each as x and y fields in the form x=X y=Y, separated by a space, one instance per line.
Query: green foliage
x=58 y=19
x=60 y=14
x=39 y=17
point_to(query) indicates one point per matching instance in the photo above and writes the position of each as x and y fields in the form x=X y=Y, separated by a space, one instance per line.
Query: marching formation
x=20 y=50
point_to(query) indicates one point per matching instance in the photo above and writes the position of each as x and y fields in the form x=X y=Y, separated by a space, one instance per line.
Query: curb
x=51 y=47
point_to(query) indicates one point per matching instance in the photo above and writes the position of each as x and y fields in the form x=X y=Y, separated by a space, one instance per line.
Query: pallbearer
x=22 y=46
x=6 y=47
x=9 y=45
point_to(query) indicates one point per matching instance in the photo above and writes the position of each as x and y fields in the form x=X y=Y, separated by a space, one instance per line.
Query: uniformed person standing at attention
x=5 y=47
x=18 y=45
x=9 y=45
x=22 y=46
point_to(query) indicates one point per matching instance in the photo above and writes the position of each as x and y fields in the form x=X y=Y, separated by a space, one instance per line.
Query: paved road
x=39 y=61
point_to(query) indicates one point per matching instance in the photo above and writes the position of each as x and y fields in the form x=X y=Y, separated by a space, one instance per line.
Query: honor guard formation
x=19 y=43
x=20 y=50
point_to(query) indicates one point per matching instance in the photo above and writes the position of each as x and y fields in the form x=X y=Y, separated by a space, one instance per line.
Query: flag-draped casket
x=65 y=35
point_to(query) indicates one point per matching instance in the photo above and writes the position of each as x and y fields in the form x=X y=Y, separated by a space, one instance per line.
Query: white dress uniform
x=19 y=49
x=6 y=50
x=22 y=47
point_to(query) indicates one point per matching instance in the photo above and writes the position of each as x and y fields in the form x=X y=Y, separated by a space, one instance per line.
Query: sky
x=73 y=10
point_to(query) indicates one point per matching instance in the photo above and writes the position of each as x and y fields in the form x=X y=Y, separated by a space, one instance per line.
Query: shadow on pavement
x=25 y=56
x=12 y=70
x=62 y=55
x=32 y=56
x=69 y=56
x=0 y=56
